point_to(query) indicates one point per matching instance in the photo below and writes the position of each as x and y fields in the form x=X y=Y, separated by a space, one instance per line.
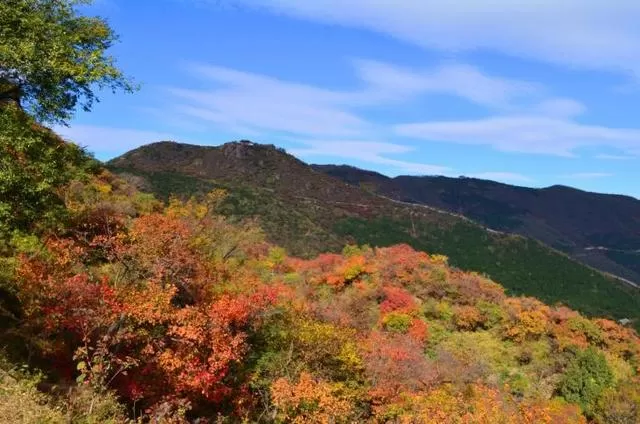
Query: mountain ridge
x=571 y=220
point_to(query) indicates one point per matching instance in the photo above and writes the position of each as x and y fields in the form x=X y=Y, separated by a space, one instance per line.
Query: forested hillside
x=171 y=313
x=118 y=306
x=308 y=212
x=601 y=230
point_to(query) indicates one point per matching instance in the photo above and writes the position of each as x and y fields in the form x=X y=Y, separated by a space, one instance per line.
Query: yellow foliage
x=102 y=187
x=318 y=339
x=478 y=404
x=310 y=400
x=621 y=369
x=439 y=259
x=529 y=318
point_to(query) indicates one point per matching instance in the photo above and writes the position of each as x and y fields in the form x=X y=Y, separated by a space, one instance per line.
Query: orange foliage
x=477 y=404
x=153 y=307
x=309 y=400
x=467 y=317
x=621 y=340
x=529 y=318
x=419 y=331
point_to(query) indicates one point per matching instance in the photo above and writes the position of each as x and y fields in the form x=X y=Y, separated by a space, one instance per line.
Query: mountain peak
x=242 y=161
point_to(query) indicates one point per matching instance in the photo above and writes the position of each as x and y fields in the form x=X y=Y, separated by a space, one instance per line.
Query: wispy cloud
x=367 y=151
x=559 y=107
x=526 y=134
x=526 y=117
x=258 y=102
x=249 y=103
x=387 y=81
x=108 y=141
x=596 y=36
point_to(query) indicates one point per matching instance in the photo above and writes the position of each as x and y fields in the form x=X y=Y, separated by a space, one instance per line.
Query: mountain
x=601 y=230
x=308 y=211
x=134 y=311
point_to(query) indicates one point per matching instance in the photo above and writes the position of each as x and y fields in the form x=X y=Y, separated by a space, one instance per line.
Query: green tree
x=52 y=58
x=586 y=377
x=34 y=165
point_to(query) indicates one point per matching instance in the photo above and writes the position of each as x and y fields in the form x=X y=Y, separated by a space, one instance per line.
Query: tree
x=51 y=58
x=34 y=165
x=586 y=377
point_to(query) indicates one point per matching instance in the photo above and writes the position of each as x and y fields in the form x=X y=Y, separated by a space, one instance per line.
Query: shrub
x=397 y=322
x=585 y=378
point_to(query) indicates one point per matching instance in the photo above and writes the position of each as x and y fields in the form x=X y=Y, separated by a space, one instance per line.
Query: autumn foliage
x=181 y=314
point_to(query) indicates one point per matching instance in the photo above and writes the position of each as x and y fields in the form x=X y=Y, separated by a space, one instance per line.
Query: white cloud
x=526 y=134
x=560 y=107
x=259 y=103
x=529 y=120
x=595 y=34
x=253 y=102
x=458 y=80
x=110 y=140
x=249 y=103
x=367 y=151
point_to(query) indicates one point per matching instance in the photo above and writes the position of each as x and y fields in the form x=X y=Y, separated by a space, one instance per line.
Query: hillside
x=308 y=212
x=156 y=289
x=137 y=312
x=601 y=230
x=117 y=308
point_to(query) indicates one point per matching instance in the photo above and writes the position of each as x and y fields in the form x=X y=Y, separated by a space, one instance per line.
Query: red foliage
x=397 y=299
x=401 y=263
x=395 y=363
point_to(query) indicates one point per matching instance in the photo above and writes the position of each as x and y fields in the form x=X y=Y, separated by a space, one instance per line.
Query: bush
x=21 y=402
x=397 y=322
x=585 y=378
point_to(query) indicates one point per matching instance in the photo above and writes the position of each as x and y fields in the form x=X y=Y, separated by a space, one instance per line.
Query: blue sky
x=533 y=93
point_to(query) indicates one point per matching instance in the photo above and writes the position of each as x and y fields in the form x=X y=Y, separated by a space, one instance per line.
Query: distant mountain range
x=311 y=209
x=601 y=230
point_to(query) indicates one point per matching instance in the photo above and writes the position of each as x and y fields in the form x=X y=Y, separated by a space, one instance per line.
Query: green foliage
x=592 y=332
x=51 y=57
x=397 y=322
x=493 y=314
x=629 y=260
x=518 y=383
x=354 y=250
x=490 y=354
x=34 y=165
x=440 y=310
x=522 y=266
x=22 y=402
x=298 y=345
x=586 y=377
x=277 y=255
